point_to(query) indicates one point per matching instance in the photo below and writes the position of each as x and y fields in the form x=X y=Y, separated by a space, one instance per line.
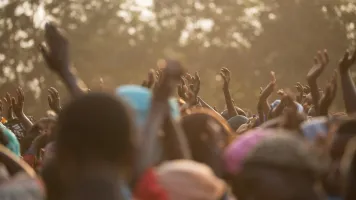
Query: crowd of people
x=160 y=140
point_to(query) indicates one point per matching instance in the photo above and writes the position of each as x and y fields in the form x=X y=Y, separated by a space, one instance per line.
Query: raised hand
x=8 y=107
x=225 y=74
x=195 y=84
x=56 y=53
x=306 y=89
x=271 y=86
x=320 y=62
x=328 y=96
x=101 y=84
x=19 y=104
x=54 y=100
x=347 y=61
x=151 y=78
x=281 y=92
x=182 y=89
x=170 y=76
x=299 y=87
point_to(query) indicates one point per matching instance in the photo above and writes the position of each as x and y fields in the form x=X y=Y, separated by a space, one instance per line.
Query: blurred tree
x=120 y=40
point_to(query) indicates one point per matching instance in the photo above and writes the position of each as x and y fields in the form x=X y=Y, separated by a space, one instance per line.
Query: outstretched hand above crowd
x=56 y=50
x=56 y=55
x=54 y=100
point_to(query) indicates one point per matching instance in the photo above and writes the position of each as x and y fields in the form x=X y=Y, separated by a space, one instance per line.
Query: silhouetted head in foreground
x=95 y=138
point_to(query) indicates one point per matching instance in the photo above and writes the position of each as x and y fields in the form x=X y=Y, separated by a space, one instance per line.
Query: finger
x=346 y=56
x=222 y=75
x=21 y=94
x=273 y=75
x=325 y=56
x=144 y=83
x=320 y=57
x=55 y=92
x=353 y=58
x=227 y=72
x=13 y=101
x=8 y=97
x=182 y=81
x=18 y=94
x=50 y=91
x=196 y=74
x=45 y=53
x=197 y=77
x=50 y=100
x=316 y=61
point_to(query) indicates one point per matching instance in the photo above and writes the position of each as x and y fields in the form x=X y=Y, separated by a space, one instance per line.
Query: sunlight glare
x=144 y=3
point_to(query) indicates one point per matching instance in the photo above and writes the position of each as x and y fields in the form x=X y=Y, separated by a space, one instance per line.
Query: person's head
x=139 y=99
x=225 y=113
x=189 y=180
x=280 y=167
x=299 y=107
x=236 y=121
x=237 y=150
x=207 y=134
x=95 y=128
x=317 y=126
x=333 y=182
x=44 y=126
x=9 y=140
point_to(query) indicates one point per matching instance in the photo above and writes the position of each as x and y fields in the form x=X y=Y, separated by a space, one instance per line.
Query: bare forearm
x=72 y=83
x=349 y=92
x=315 y=94
x=229 y=104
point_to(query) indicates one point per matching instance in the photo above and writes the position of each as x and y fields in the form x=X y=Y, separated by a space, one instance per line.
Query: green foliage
x=120 y=41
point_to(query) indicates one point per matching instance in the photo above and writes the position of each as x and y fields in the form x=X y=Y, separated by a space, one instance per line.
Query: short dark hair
x=95 y=127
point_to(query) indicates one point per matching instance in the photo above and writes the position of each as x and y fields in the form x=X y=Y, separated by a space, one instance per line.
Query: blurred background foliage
x=120 y=40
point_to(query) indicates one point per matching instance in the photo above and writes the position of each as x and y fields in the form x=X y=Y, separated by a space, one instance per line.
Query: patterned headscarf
x=236 y=152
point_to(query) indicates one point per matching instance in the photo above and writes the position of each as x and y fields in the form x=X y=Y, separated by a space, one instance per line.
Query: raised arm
x=18 y=109
x=225 y=74
x=54 y=100
x=263 y=107
x=56 y=55
x=347 y=84
x=320 y=62
x=328 y=96
x=158 y=111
